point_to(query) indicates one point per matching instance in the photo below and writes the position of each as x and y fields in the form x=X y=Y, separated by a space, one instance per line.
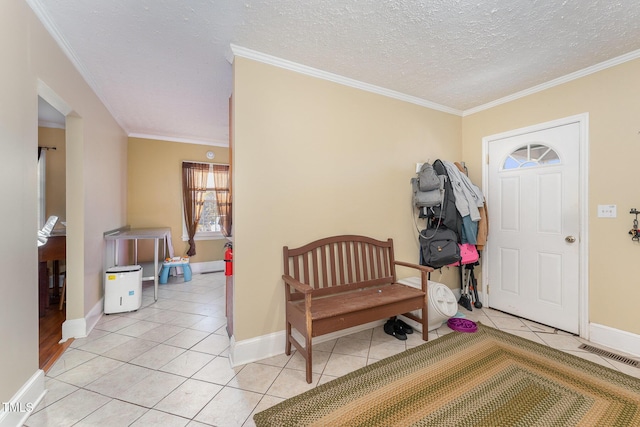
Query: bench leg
x=287 y=346
x=308 y=337
x=425 y=320
x=309 y=353
x=425 y=306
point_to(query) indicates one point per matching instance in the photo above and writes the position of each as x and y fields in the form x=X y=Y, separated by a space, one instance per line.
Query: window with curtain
x=206 y=202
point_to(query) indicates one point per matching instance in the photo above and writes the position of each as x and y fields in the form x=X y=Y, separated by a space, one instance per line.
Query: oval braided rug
x=488 y=378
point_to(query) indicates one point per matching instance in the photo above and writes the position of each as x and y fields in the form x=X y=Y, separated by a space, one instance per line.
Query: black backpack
x=439 y=240
x=439 y=247
x=446 y=214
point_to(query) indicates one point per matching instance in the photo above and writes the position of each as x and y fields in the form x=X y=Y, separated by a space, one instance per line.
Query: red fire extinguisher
x=228 y=260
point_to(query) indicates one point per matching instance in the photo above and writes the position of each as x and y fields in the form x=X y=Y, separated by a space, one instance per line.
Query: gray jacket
x=468 y=197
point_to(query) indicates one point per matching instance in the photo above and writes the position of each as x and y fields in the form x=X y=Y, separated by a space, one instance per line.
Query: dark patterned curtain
x=194 y=186
x=223 y=197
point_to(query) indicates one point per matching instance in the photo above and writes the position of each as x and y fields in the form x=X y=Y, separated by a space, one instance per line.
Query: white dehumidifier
x=122 y=289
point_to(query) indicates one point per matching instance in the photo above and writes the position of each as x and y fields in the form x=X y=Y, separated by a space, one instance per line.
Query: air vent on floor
x=610 y=355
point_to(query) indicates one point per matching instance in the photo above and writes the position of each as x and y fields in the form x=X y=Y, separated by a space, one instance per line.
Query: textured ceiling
x=160 y=67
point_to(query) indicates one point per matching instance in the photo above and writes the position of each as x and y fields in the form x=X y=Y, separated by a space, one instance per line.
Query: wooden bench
x=343 y=281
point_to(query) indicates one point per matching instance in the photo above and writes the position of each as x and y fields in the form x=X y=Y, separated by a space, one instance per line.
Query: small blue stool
x=168 y=265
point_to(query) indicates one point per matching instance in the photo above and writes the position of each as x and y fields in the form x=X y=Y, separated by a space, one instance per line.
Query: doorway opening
x=52 y=248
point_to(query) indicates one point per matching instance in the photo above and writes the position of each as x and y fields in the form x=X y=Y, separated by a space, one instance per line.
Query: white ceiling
x=162 y=66
x=48 y=116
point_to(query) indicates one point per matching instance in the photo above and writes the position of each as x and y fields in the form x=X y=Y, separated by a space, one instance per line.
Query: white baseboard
x=74 y=328
x=258 y=348
x=207 y=267
x=615 y=338
x=80 y=328
x=17 y=410
x=94 y=315
x=265 y=346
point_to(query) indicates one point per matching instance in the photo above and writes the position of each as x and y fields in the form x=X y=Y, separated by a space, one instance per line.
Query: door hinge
x=488 y=289
x=487 y=159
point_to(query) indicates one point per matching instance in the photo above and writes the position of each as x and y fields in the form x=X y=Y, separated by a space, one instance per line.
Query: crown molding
x=212 y=143
x=556 y=82
x=41 y=14
x=314 y=72
x=50 y=125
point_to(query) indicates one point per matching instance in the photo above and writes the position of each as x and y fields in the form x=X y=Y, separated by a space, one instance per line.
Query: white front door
x=534 y=225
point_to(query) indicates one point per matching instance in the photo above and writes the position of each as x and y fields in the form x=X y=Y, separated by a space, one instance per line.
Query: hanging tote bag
x=468 y=254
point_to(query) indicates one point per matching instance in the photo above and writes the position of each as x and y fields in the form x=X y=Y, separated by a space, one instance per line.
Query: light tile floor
x=167 y=363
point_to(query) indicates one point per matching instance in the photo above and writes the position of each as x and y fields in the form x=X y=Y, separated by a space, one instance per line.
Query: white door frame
x=583 y=240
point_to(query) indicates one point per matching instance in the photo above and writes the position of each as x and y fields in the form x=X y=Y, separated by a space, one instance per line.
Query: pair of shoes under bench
x=397 y=328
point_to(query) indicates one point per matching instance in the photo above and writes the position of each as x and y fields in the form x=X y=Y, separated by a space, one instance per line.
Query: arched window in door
x=531 y=155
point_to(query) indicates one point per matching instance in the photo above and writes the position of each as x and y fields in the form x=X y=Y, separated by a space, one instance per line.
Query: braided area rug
x=487 y=378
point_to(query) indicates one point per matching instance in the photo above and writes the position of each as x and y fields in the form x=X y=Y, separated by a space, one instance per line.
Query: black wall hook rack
x=635 y=233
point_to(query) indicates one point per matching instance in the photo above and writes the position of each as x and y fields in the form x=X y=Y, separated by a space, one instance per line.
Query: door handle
x=570 y=239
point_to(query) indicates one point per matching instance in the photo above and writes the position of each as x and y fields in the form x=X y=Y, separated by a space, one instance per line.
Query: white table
x=136 y=234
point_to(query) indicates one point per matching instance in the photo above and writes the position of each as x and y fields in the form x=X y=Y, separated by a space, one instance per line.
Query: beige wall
x=611 y=97
x=154 y=194
x=95 y=195
x=312 y=159
x=55 y=172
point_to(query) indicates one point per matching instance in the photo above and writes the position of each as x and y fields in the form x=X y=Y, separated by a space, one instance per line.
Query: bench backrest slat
x=356 y=262
x=372 y=261
x=341 y=264
x=341 y=261
x=314 y=259
x=332 y=266
x=296 y=267
x=325 y=267
x=378 y=259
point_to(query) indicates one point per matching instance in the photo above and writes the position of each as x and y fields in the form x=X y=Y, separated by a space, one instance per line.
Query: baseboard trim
x=254 y=349
x=615 y=338
x=80 y=328
x=265 y=346
x=17 y=410
x=93 y=317
x=207 y=267
x=74 y=328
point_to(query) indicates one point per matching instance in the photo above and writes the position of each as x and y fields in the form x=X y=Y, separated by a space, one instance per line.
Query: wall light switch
x=607 y=211
x=418 y=167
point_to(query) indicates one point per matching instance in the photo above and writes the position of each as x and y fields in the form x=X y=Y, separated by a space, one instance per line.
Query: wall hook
x=635 y=233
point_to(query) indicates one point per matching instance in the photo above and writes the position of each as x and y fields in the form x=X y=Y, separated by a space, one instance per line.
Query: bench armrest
x=299 y=286
x=424 y=268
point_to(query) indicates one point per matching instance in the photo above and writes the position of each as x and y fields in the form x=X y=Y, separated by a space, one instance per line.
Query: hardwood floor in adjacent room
x=50 y=336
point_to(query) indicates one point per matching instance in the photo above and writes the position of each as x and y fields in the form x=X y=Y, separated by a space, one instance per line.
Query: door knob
x=570 y=239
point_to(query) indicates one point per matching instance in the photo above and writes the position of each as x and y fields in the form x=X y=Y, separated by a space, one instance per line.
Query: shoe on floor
x=392 y=328
x=405 y=327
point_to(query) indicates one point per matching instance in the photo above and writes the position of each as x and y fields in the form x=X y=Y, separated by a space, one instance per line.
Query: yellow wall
x=611 y=97
x=95 y=187
x=154 y=194
x=55 y=172
x=312 y=158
